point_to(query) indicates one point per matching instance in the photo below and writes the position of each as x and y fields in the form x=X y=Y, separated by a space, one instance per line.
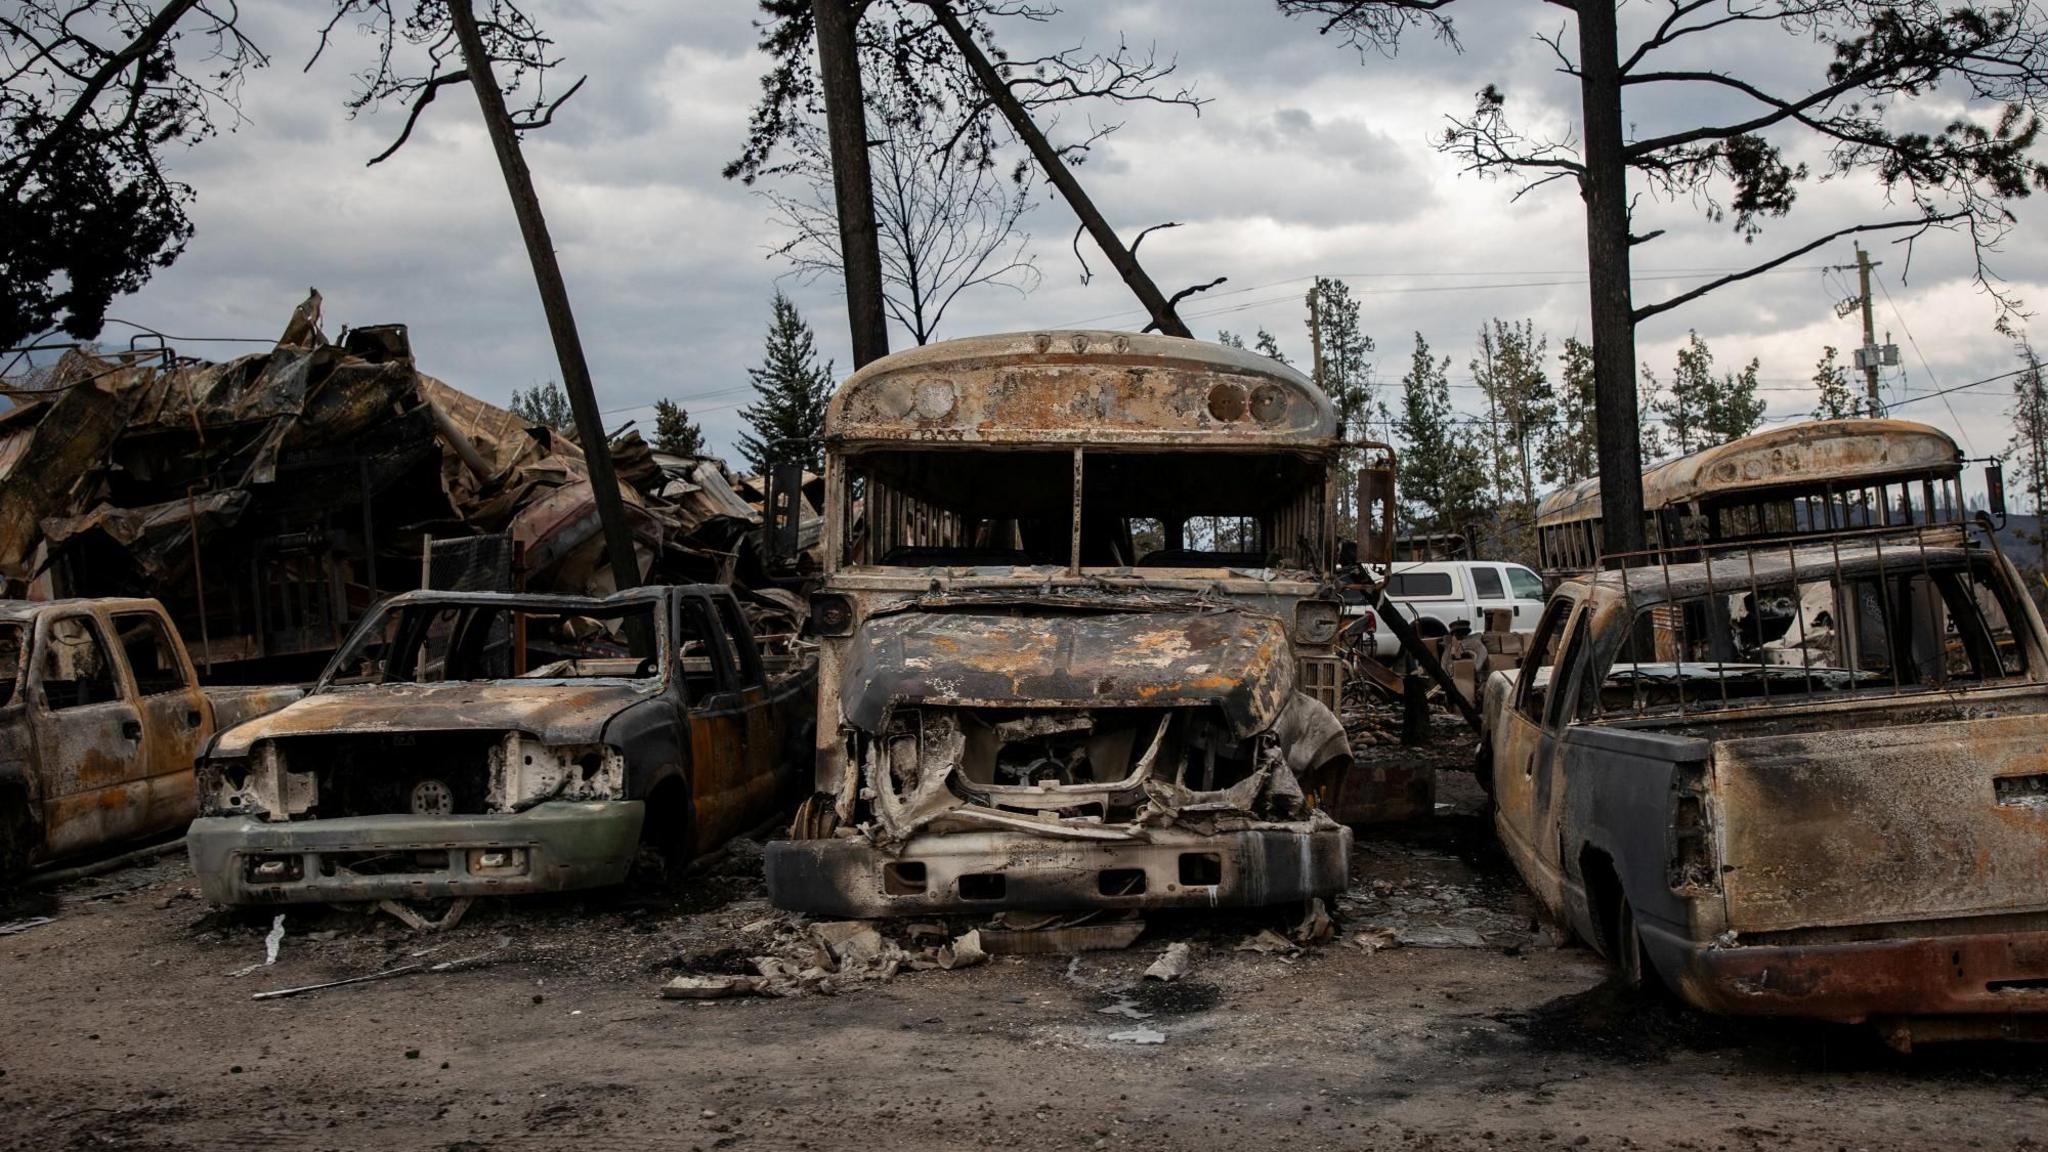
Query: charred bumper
x=1985 y=976
x=990 y=871
x=547 y=848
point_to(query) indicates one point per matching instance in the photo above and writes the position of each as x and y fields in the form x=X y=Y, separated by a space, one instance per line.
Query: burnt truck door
x=717 y=718
x=173 y=713
x=1528 y=773
x=761 y=783
x=88 y=736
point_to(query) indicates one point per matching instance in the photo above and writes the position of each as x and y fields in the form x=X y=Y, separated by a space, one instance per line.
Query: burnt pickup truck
x=1796 y=779
x=468 y=744
x=101 y=717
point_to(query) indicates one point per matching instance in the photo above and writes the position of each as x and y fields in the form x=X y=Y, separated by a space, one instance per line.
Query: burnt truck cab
x=101 y=716
x=1075 y=634
x=467 y=744
x=1794 y=778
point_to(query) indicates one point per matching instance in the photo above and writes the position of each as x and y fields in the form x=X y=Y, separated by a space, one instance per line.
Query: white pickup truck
x=1436 y=594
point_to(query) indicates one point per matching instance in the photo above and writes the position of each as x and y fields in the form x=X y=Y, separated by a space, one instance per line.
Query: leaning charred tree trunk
x=554 y=298
x=1604 y=184
x=1062 y=177
x=860 y=254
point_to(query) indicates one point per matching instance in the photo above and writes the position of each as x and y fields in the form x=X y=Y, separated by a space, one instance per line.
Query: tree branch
x=419 y=104
x=1639 y=315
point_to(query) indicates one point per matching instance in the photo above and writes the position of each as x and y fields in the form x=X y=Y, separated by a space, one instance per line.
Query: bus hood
x=1035 y=656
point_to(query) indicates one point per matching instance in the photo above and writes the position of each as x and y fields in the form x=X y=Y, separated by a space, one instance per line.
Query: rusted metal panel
x=1235 y=660
x=1867 y=824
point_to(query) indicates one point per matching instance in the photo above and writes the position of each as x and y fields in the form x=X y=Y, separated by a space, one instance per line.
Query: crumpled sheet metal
x=111 y=457
x=50 y=462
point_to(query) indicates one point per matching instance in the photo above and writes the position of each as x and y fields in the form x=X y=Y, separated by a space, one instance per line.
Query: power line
x=1924 y=366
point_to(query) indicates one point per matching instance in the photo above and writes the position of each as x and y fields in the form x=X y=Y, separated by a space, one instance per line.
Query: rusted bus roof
x=1861 y=451
x=1812 y=558
x=1093 y=386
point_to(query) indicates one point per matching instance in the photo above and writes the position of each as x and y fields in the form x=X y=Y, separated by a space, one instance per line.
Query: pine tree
x=1519 y=400
x=546 y=405
x=675 y=432
x=1340 y=363
x=1838 y=399
x=1701 y=409
x=1571 y=454
x=1265 y=344
x=2028 y=451
x=2028 y=448
x=788 y=421
x=1442 y=481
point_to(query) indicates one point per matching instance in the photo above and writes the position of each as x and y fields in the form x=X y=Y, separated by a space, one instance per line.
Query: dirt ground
x=130 y=1025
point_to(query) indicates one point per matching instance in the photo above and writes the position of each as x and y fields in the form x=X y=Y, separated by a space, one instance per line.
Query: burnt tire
x=669 y=831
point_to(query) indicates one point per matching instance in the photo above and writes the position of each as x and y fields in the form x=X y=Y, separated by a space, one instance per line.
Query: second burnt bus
x=1076 y=633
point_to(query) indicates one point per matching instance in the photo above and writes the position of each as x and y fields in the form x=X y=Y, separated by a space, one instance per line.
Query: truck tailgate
x=1883 y=824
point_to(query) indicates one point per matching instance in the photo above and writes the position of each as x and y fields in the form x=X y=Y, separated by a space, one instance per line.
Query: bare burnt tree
x=417 y=52
x=947 y=217
x=921 y=91
x=1866 y=103
x=96 y=93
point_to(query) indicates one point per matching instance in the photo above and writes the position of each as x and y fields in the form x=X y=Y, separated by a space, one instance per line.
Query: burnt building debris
x=269 y=500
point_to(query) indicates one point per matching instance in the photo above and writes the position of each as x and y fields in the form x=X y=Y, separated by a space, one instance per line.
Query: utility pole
x=554 y=298
x=1872 y=355
x=1870 y=361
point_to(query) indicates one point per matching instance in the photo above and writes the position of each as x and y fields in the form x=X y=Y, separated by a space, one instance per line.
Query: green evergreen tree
x=1838 y=398
x=1571 y=453
x=1701 y=409
x=1442 y=481
x=788 y=421
x=546 y=405
x=1265 y=344
x=675 y=432
x=1520 y=404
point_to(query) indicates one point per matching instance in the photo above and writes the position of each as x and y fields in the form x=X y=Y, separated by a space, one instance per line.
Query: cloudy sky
x=1309 y=159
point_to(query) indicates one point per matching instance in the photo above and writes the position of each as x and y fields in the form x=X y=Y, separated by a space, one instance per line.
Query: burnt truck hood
x=1233 y=658
x=556 y=714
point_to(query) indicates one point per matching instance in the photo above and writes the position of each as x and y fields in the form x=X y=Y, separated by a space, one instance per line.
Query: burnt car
x=101 y=716
x=465 y=744
x=1802 y=778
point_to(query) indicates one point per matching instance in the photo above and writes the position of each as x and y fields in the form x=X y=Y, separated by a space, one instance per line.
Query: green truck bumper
x=547 y=848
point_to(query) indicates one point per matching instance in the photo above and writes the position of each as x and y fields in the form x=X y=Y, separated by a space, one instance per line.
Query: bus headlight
x=1316 y=621
x=831 y=614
